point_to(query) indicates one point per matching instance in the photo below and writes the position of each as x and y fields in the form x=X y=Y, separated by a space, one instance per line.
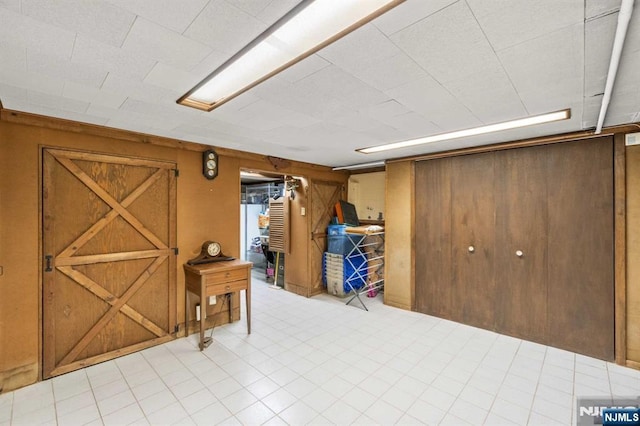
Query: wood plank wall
x=399 y=243
x=206 y=210
x=633 y=256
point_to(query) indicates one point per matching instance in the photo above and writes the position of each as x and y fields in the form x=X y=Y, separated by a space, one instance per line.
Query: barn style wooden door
x=109 y=284
x=323 y=197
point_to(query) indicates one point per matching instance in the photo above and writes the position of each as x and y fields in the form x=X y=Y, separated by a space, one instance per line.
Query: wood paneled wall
x=633 y=255
x=206 y=210
x=399 y=242
x=627 y=210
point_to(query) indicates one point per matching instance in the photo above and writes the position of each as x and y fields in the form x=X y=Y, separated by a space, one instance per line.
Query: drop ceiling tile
x=275 y=10
x=171 y=78
x=92 y=53
x=41 y=37
x=594 y=8
x=96 y=19
x=252 y=7
x=412 y=124
x=44 y=99
x=591 y=111
x=13 y=5
x=244 y=118
x=153 y=123
x=31 y=81
x=336 y=83
x=92 y=95
x=355 y=121
x=9 y=94
x=63 y=69
x=390 y=73
x=542 y=62
x=362 y=48
x=13 y=56
x=175 y=15
x=489 y=95
x=599 y=34
x=224 y=27
x=510 y=22
x=627 y=77
x=209 y=64
x=304 y=68
x=408 y=13
x=236 y=103
x=151 y=40
x=136 y=89
x=624 y=108
x=278 y=114
x=84 y=118
x=428 y=98
x=384 y=110
x=385 y=134
x=449 y=45
x=74 y=105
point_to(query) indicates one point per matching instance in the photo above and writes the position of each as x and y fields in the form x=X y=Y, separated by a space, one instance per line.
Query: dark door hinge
x=48 y=258
x=176 y=172
x=175 y=251
x=176 y=328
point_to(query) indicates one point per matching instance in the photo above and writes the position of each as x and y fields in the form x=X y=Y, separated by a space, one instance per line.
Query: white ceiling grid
x=423 y=68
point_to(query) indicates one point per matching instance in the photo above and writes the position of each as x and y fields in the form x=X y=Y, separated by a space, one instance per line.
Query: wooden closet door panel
x=581 y=274
x=433 y=237
x=521 y=225
x=473 y=225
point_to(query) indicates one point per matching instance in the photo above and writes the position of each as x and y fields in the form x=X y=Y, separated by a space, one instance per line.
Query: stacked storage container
x=344 y=266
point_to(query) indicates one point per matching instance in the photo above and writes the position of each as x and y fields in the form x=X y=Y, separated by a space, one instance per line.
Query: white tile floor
x=317 y=361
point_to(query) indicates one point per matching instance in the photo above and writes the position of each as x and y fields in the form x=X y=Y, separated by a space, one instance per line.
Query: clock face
x=213 y=249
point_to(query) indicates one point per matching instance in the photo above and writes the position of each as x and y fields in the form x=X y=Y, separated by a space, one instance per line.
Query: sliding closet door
x=521 y=242
x=473 y=240
x=581 y=282
x=433 y=237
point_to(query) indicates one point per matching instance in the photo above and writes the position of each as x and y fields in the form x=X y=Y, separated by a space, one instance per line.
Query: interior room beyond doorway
x=260 y=194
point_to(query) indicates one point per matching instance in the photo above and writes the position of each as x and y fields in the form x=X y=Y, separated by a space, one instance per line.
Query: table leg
x=186 y=314
x=203 y=318
x=247 y=295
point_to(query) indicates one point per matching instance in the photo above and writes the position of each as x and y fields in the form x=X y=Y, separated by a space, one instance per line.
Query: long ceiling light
x=361 y=166
x=506 y=125
x=307 y=28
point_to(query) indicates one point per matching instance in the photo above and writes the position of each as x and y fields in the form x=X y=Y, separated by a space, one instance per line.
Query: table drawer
x=225 y=276
x=229 y=287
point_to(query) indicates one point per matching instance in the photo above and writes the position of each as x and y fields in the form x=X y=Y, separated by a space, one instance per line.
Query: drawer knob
x=228 y=288
x=472 y=249
x=519 y=253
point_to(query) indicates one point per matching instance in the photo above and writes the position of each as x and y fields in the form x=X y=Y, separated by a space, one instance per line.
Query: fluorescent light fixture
x=506 y=125
x=307 y=28
x=361 y=165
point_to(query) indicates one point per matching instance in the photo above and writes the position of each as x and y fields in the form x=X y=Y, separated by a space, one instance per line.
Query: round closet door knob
x=472 y=249
x=519 y=253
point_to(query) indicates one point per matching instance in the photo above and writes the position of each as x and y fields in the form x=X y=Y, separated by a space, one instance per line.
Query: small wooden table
x=214 y=279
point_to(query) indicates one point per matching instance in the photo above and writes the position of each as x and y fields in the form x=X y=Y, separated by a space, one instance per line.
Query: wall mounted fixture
x=210 y=164
x=307 y=28
x=491 y=128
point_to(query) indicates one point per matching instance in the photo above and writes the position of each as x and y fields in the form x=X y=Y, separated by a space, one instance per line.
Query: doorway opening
x=264 y=222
